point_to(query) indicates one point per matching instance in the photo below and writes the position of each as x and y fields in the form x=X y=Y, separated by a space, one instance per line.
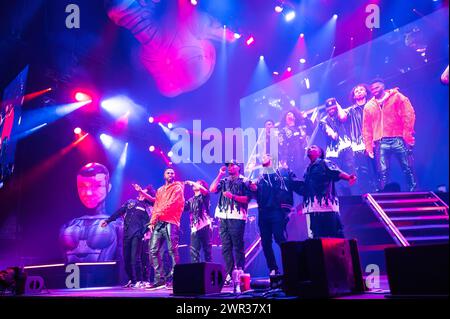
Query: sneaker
x=274 y=272
x=156 y=285
x=227 y=282
x=146 y=284
x=169 y=284
x=128 y=285
x=138 y=285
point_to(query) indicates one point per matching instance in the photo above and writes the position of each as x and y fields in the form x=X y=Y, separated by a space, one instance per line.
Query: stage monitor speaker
x=418 y=270
x=198 y=278
x=321 y=268
x=33 y=285
x=87 y=275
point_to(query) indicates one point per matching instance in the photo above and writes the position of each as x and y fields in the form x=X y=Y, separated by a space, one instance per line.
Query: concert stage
x=299 y=147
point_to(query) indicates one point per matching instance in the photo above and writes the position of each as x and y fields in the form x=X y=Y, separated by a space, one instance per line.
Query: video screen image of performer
x=320 y=200
x=198 y=207
x=82 y=238
x=274 y=194
x=165 y=226
x=388 y=130
x=231 y=210
x=364 y=165
x=136 y=219
x=293 y=140
x=339 y=146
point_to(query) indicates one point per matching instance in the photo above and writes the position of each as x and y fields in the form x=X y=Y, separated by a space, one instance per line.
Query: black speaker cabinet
x=78 y=275
x=198 y=278
x=418 y=270
x=321 y=268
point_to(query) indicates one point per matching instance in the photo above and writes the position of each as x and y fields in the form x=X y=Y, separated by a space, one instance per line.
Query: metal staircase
x=415 y=218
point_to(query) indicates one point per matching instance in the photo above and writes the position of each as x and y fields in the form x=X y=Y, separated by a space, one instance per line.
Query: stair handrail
x=393 y=230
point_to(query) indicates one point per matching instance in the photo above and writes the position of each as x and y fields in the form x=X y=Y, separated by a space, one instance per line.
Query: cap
x=232 y=161
x=330 y=102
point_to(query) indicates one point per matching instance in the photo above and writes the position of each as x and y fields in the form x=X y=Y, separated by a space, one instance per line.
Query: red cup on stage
x=245 y=282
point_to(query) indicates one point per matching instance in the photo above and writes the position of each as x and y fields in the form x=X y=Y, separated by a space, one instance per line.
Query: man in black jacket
x=135 y=226
x=274 y=194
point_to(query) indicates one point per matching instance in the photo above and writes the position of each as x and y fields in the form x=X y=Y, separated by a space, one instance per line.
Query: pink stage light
x=77 y=130
x=278 y=9
x=250 y=40
x=151 y=148
x=194 y=2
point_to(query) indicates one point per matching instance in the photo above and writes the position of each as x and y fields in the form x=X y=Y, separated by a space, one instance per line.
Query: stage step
x=406 y=228
x=411 y=218
x=414 y=209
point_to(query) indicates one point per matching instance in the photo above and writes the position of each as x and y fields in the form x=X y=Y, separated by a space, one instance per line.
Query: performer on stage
x=293 y=139
x=364 y=165
x=232 y=212
x=135 y=226
x=165 y=225
x=274 y=194
x=320 y=201
x=388 y=129
x=200 y=221
x=82 y=238
x=339 y=145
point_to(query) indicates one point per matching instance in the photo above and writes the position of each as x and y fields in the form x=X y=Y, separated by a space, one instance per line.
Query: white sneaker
x=146 y=284
x=274 y=272
x=138 y=285
x=128 y=285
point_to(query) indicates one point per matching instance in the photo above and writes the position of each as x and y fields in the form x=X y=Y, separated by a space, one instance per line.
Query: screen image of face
x=92 y=190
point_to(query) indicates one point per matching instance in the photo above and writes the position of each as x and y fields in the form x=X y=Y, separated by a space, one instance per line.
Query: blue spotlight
x=123 y=156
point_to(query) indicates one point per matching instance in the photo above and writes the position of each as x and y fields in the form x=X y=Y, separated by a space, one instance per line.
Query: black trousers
x=164 y=233
x=132 y=249
x=201 y=239
x=346 y=162
x=232 y=237
x=366 y=173
x=384 y=150
x=326 y=224
x=273 y=226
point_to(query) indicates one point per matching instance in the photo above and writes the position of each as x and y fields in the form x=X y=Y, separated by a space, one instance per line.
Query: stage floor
x=164 y=293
